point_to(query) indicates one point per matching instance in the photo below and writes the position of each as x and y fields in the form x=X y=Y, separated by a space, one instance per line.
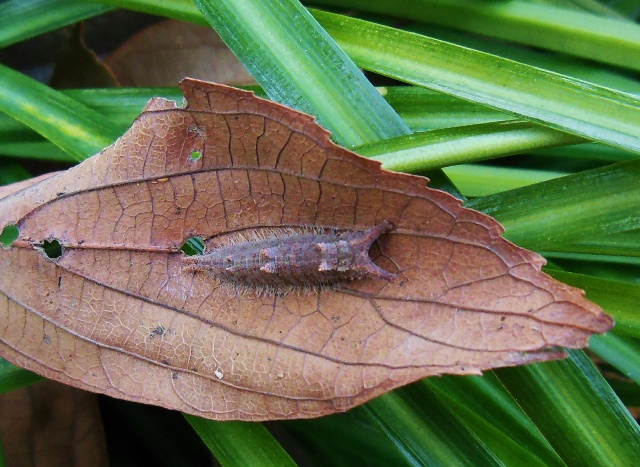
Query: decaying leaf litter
x=120 y=311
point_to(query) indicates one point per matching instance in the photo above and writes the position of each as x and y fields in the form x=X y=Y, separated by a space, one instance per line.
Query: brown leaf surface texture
x=119 y=313
x=162 y=54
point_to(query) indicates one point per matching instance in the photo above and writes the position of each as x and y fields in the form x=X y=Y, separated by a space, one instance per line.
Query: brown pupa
x=293 y=261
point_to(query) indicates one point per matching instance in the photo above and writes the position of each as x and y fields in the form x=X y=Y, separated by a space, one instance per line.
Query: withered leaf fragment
x=120 y=313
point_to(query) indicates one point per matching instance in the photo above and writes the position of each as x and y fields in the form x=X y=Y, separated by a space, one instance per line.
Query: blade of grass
x=577 y=68
x=566 y=210
x=617 y=243
x=608 y=40
x=12 y=172
x=291 y=65
x=493 y=414
x=576 y=410
x=424 y=430
x=183 y=10
x=65 y=122
x=591 y=6
x=13 y=377
x=120 y=106
x=358 y=439
x=484 y=180
x=22 y=19
x=558 y=101
x=451 y=146
x=240 y=443
x=423 y=109
x=589 y=151
x=42 y=150
x=620 y=351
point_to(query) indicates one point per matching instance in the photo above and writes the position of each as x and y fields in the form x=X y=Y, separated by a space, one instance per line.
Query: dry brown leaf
x=162 y=54
x=119 y=313
x=49 y=424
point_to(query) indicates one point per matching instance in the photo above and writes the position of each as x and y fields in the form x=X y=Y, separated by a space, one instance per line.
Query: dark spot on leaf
x=46 y=339
x=52 y=248
x=159 y=331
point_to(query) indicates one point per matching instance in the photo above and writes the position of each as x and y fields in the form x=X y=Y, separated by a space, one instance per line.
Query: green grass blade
x=616 y=243
x=451 y=146
x=183 y=10
x=484 y=180
x=555 y=100
x=240 y=443
x=42 y=150
x=425 y=430
x=586 y=205
x=12 y=172
x=593 y=37
x=494 y=417
x=65 y=122
x=423 y=109
x=620 y=351
x=22 y=19
x=576 y=410
x=291 y=66
x=13 y=377
x=591 y=6
x=581 y=69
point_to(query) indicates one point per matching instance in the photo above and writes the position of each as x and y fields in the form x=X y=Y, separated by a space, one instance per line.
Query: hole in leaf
x=195 y=155
x=52 y=248
x=193 y=246
x=9 y=235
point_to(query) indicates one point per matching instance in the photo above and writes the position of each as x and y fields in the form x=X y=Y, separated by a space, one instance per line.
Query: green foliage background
x=555 y=82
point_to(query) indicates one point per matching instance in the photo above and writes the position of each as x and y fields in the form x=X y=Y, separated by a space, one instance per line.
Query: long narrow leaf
x=240 y=443
x=291 y=65
x=482 y=180
x=581 y=69
x=496 y=418
x=13 y=377
x=22 y=19
x=451 y=146
x=564 y=211
x=576 y=410
x=555 y=100
x=68 y=124
x=608 y=40
x=424 y=429
x=620 y=351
